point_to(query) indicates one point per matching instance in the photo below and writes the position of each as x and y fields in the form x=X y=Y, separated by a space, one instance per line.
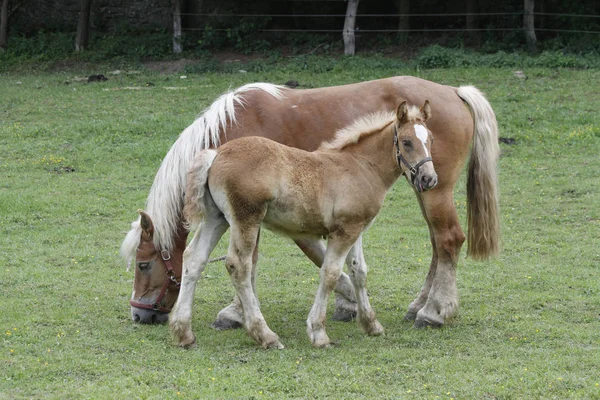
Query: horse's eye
x=407 y=143
x=143 y=265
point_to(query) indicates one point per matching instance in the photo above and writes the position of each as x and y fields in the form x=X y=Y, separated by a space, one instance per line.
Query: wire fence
x=362 y=17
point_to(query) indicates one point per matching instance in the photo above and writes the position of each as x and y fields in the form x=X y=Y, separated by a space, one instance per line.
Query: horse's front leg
x=358 y=271
x=239 y=266
x=345 y=300
x=439 y=293
x=337 y=249
x=195 y=258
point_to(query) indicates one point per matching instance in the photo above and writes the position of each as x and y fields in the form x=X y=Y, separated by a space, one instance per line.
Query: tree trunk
x=4 y=25
x=528 y=26
x=403 y=19
x=176 y=27
x=349 y=27
x=83 y=26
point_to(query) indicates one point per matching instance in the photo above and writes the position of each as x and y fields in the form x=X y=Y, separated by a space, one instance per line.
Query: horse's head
x=157 y=274
x=413 y=146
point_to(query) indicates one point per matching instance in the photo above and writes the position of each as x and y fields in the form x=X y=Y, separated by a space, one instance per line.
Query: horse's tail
x=194 y=209
x=482 y=178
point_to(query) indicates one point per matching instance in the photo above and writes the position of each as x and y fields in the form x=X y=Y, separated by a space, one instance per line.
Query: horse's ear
x=147 y=226
x=402 y=112
x=426 y=111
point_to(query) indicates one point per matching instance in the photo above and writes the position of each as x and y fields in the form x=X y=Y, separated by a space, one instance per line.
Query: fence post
x=349 y=27
x=83 y=26
x=528 y=26
x=176 y=27
x=3 y=25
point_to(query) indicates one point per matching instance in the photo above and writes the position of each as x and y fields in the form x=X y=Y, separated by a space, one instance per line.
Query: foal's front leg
x=195 y=258
x=358 y=272
x=239 y=267
x=337 y=249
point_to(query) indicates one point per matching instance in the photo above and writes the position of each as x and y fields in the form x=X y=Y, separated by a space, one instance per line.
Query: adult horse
x=304 y=119
x=334 y=192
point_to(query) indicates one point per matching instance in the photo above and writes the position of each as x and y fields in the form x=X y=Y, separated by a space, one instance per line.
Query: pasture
x=77 y=161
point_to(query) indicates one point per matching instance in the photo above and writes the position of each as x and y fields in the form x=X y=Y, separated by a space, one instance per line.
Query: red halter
x=169 y=278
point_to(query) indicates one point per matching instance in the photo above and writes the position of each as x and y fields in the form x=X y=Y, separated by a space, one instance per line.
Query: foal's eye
x=407 y=143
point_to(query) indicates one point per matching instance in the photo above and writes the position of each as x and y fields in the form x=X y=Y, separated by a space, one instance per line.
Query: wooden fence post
x=3 y=25
x=83 y=26
x=176 y=27
x=528 y=26
x=349 y=27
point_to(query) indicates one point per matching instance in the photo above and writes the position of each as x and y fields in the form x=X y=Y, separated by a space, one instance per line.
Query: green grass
x=77 y=161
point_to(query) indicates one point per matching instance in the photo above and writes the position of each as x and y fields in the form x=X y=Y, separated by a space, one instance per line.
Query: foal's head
x=413 y=145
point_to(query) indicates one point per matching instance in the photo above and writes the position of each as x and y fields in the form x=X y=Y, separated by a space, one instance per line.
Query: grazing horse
x=304 y=119
x=334 y=192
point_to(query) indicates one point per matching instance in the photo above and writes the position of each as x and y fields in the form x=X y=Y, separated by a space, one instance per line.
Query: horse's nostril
x=153 y=319
x=136 y=318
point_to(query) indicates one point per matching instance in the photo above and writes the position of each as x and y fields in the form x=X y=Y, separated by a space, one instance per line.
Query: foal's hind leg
x=239 y=266
x=345 y=300
x=195 y=258
x=439 y=292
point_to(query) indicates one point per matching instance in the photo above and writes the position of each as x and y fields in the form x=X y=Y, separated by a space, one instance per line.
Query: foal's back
x=291 y=191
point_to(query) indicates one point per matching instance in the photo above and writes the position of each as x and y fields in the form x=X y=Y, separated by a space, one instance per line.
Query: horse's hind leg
x=345 y=300
x=358 y=271
x=440 y=289
x=195 y=258
x=421 y=299
x=239 y=266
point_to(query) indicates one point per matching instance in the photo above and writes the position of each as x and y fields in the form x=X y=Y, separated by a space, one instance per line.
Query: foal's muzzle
x=424 y=181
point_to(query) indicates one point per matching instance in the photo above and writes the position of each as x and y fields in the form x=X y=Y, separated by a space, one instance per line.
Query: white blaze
x=422 y=134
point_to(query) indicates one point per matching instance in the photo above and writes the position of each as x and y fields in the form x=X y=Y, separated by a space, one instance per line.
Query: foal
x=335 y=192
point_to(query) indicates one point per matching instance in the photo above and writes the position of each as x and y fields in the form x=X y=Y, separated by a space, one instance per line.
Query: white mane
x=165 y=201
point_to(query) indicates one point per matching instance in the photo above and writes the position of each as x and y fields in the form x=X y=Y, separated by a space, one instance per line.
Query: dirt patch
x=168 y=66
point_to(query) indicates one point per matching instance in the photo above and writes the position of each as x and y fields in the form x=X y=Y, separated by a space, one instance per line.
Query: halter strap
x=401 y=160
x=169 y=278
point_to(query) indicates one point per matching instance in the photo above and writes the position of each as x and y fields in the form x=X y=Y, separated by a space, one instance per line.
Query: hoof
x=188 y=341
x=225 y=324
x=427 y=323
x=343 y=315
x=275 y=345
x=320 y=339
x=410 y=316
x=375 y=329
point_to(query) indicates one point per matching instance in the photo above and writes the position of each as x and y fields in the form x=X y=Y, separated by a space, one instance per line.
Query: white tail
x=482 y=178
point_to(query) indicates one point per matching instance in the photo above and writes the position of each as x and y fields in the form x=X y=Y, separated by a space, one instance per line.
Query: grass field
x=77 y=161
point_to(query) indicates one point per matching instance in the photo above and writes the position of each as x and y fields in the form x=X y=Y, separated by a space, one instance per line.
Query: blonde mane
x=365 y=126
x=165 y=201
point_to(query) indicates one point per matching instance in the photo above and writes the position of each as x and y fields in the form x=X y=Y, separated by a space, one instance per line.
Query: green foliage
x=442 y=57
x=78 y=160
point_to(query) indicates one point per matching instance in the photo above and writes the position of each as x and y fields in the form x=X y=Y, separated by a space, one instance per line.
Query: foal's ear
x=402 y=112
x=426 y=111
x=147 y=226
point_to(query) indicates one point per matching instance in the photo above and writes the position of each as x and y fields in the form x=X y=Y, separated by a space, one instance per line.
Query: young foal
x=335 y=192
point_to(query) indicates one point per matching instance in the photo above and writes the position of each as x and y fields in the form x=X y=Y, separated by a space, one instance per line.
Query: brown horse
x=334 y=192
x=304 y=119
